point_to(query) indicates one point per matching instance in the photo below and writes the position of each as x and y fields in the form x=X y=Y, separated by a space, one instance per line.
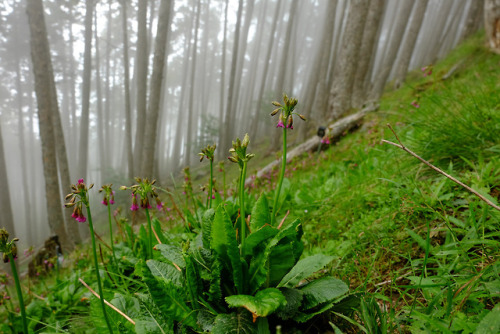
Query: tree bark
x=473 y=17
x=155 y=89
x=409 y=42
x=42 y=66
x=345 y=66
x=141 y=65
x=222 y=137
x=87 y=67
x=492 y=24
x=368 y=50
x=393 y=46
x=128 y=109
x=103 y=146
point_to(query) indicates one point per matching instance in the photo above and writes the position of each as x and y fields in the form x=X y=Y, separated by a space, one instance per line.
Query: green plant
x=76 y=199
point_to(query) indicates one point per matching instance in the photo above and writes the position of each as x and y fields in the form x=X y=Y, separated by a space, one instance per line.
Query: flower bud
x=277 y=104
x=275 y=111
x=246 y=140
x=302 y=117
x=123 y=188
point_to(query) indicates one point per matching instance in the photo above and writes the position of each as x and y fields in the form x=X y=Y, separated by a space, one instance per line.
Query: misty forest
x=250 y=166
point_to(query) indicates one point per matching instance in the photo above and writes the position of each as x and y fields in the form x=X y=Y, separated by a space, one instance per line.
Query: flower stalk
x=209 y=153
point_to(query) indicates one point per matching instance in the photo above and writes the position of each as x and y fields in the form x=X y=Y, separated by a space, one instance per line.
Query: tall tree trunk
x=230 y=117
x=320 y=65
x=6 y=217
x=280 y=81
x=87 y=67
x=141 y=65
x=267 y=60
x=107 y=90
x=409 y=42
x=476 y=9
x=369 y=49
x=42 y=66
x=222 y=128
x=103 y=146
x=128 y=109
x=392 y=48
x=155 y=89
x=190 y=133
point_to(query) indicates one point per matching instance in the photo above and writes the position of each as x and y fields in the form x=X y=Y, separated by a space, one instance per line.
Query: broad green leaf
x=127 y=304
x=166 y=271
x=293 y=302
x=226 y=247
x=262 y=304
x=490 y=323
x=192 y=281
x=171 y=254
x=215 y=291
x=321 y=291
x=206 y=227
x=304 y=268
x=168 y=298
x=150 y=326
x=263 y=264
x=255 y=240
x=260 y=214
x=235 y=323
x=206 y=320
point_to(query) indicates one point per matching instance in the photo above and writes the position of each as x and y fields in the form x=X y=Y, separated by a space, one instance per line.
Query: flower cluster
x=7 y=247
x=239 y=151
x=208 y=152
x=427 y=70
x=109 y=194
x=77 y=198
x=141 y=193
x=286 y=112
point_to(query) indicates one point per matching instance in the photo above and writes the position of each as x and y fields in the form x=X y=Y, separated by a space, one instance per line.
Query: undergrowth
x=375 y=241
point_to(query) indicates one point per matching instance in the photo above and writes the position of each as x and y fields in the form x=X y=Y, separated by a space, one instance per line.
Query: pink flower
x=159 y=205
x=415 y=104
x=325 y=140
x=134 y=207
x=81 y=219
x=280 y=124
x=104 y=202
x=80 y=181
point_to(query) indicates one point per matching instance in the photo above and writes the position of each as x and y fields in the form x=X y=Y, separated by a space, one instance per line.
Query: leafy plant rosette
x=223 y=280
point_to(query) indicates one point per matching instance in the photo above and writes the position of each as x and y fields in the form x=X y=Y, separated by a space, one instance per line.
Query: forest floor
x=419 y=253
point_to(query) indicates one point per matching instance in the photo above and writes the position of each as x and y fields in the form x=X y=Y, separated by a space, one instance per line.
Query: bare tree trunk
x=190 y=130
x=476 y=11
x=368 y=48
x=141 y=65
x=345 y=65
x=222 y=137
x=228 y=131
x=128 y=109
x=280 y=81
x=42 y=66
x=6 y=217
x=87 y=67
x=409 y=42
x=155 y=89
x=103 y=145
x=492 y=24
x=320 y=65
x=107 y=91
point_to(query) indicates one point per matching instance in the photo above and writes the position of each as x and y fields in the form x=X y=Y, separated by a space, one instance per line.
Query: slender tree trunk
x=280 y=81
x=141 y=65
x=155 y=89
x=392 y=48
x=107 y=91
x=87 y=67
x=368 y=49
x=228 y=130
x=320 y=65
x=128 y=109
x=409 y=42
x=103 y=145
x=222 y=128
x=42 y=66
x=6 y=217
x=190 y=129
x=475 y=10
x=267 y=60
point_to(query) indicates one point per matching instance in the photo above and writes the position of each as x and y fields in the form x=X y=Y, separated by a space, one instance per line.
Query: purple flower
x=325 y=140
x=81 y=219
x=415 y=104
x=80 y=181
x=104 y=201
x=134 y=207
x=280 y=124
x=159 y=205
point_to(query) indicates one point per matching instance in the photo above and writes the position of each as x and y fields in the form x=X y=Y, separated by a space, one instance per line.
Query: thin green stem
x=150 y=235
x=111 y=234
x=96 y=264
x=242 y=203
x=280 y=180
x=19 y=292
x=210 y=185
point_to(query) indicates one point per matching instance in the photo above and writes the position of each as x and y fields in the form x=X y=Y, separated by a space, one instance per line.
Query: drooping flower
x=415 y=104
x=280 y=124
x=325 y=140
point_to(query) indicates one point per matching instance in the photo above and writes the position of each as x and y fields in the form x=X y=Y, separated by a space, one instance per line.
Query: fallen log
x=335 y=131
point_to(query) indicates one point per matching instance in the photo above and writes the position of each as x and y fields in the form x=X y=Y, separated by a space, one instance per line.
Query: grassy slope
x=394 y=224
